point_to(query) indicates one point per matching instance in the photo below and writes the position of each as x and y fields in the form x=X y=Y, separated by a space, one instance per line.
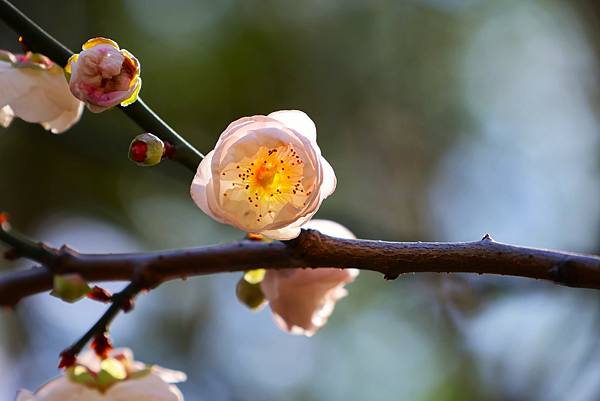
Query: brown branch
x=121 y=301
x=315 y=250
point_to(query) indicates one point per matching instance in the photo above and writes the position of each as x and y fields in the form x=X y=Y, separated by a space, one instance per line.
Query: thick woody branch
x=314 y=250
x=40 y=41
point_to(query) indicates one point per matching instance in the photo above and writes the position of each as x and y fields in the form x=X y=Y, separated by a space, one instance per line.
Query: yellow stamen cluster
x=266 y=182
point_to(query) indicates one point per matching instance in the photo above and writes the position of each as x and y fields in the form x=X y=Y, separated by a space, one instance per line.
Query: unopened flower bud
x=146 y=150
x=250 y=294
x=99 y=294
x=70 y=287
x=103 y=75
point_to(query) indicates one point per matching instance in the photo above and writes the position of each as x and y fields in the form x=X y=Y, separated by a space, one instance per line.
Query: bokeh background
x=444 y=120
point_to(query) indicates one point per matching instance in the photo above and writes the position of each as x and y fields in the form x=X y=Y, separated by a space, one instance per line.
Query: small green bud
x=80 y=374
x=255 y=276
x=111 y=372
x=146 y=150
x=70 y=287
x=250 y=294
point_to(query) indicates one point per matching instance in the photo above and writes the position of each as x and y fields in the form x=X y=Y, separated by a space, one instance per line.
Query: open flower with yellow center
x=265 y=175
x=103 y=75
x=303 y=299
x=34 y=89
x=116 y=378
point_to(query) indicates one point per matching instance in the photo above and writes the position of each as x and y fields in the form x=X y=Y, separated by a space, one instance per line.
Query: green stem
x=40 y=41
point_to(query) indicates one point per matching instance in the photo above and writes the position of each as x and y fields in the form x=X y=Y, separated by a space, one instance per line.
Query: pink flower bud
x=303 y=299
x=265 y=175
x=103 y=75
x=34 y=89
x=115 y=378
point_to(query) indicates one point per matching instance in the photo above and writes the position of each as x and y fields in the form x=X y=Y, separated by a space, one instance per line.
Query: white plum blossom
x=265 y=175
x=35 y=89
x=116 y=378
x=103 y=75
x=303 y=299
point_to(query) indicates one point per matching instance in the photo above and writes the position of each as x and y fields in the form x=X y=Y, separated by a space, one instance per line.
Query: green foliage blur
x=443 y=120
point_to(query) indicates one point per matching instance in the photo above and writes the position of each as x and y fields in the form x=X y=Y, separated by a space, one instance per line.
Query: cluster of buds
x=104 y=75
x=37 y=90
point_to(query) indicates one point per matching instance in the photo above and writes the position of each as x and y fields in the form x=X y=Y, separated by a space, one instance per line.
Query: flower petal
x=282 y=234
x=134 y=94
x=298 y=121
x=65 y=120
x=99 y=41
x=329 y=179
x=199 y=189
x=6 y=116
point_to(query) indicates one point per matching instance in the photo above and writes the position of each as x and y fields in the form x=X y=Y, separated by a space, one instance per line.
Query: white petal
x=150 y=387
x=35 y=107
x=169 y=375
x=65 y=120
x=298 y=121
x=284 y=233
x=329 y=180
x=303 y=300
x=14 y=83
x=62 y=389
x=6 y=116
x=200 y=190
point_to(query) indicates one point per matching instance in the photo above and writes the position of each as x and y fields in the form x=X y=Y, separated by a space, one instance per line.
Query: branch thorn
x=487 y=237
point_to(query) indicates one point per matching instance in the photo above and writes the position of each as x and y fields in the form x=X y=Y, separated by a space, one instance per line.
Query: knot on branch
x=309 y=242
x=561 y=272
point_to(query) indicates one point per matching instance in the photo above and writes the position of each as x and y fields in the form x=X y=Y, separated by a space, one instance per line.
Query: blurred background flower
x=443 y=119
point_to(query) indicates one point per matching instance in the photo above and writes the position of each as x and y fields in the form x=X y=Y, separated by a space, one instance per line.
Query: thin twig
x=120 y=302
x=315 y=250
x=40 y=41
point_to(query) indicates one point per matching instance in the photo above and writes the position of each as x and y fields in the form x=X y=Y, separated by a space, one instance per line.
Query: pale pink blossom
x=303 y=299
x=34 y=89
x=128 y=380
x=265 y=175
x=103 y=75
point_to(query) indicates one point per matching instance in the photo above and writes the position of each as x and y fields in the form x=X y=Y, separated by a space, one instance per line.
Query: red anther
x=138 y=151
x=11 y=254
x=3 y=218
x=101 y=345
x=100 y=294
x=169 y=150
x=67 y=359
